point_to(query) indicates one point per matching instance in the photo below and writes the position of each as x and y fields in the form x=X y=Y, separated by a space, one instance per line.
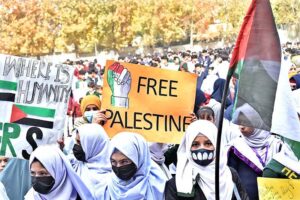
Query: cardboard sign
x=153 y=102
x=278 y=189
x=33 y=103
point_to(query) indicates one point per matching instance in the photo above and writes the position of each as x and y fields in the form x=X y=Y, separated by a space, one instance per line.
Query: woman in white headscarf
x=90 y=158
x=195 y=175
x=249 y=154
x=53 y=176
x=135 y=176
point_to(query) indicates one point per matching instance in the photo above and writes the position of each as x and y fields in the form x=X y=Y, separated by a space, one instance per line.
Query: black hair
x=82 y=72
x=198 y=65
x=91 y=84
x=194 y=57
x=205 y=109
x=164 y=58
x=153 y=64
x=93 y=70
x=184 y=54
x=36 y=160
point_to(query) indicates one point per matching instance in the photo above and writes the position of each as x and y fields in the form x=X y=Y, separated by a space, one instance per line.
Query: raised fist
x=119 y=80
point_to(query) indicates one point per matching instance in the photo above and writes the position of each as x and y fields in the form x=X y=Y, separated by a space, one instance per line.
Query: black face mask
x=203 y=157
x=125 y=172
x=42 y=184
x=79 y=153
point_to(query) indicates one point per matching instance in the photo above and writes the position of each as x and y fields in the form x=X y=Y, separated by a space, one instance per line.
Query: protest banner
x=153 y=102
x=278 y=189
x=33 y=103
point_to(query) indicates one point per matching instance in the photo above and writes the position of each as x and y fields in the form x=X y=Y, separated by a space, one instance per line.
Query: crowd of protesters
x=86 y=164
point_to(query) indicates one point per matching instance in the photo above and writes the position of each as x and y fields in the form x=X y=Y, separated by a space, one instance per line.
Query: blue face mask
x=89 y=115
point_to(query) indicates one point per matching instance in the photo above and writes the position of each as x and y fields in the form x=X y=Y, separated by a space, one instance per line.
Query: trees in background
x=34 y=27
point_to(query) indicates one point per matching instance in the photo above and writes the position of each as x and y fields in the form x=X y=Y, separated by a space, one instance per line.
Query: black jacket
x=171 y=190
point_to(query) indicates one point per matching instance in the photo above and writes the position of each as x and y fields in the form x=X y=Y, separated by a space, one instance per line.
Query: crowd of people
x=86 y=164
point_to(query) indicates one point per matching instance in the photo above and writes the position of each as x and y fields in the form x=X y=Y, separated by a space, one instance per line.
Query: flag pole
x=232 y=66
x=218 y=146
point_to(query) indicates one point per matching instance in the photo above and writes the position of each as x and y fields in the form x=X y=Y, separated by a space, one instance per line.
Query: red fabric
x=208 y=97
x=76 y=72
x=256 y=37
x=77 y=112
x=74 y=108
x=17 y=114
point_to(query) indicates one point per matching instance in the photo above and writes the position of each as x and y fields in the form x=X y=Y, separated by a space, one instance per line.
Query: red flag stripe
x=239 y=50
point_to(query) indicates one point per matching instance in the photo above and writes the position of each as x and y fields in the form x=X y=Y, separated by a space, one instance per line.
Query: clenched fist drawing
x=119 y=80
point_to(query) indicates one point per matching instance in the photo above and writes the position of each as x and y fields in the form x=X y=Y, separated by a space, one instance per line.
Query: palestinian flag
x=256 y=61
x=32 y=116
x=7 y=90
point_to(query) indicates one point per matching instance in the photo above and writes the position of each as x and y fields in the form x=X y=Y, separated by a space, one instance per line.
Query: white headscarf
x=148 y=182
x=187 y=169
x=67 y=182
x=95 y=144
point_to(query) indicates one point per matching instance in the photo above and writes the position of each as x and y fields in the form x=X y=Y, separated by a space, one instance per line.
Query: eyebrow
x=207 y=141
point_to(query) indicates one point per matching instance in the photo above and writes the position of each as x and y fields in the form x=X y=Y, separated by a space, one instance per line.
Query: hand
x=100 y=117
x=119 y=80
x=193 y=117
x=61 y=143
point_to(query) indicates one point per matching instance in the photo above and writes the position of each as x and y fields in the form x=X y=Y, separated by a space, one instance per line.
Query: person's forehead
x=92 y=106
x=201 y=138
x=37 y=166
x=118 y=156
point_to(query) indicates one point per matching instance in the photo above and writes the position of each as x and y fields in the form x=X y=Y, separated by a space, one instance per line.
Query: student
x=216 y=99
x=195 y=175
x=229 y=131
x=3 y=162
x=135 y=176
x=92 y=89
x=90 y=107
x=90 y=158
x=249 y=154
x=53 y=176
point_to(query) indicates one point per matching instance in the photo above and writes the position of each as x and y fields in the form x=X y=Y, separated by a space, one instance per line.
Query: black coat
x=247 y=175
x=171 y=190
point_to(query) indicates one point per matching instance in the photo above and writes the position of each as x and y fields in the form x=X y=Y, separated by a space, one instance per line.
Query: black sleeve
x=171 y=190
x=240 y=187
x=171 y=156
x=232 y=160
